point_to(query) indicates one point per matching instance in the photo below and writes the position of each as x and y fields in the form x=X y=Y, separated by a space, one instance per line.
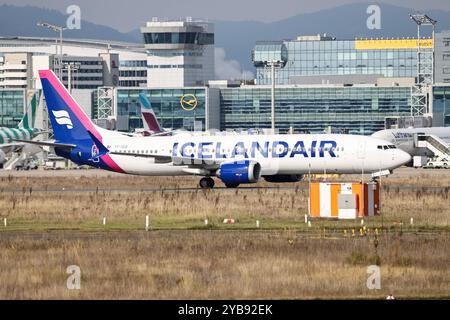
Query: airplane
x=25 y=130
x=404 y=138
x=151 y=124
x=234 y=159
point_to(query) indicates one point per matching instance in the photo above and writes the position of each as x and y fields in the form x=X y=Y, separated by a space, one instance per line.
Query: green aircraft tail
x=29 y=117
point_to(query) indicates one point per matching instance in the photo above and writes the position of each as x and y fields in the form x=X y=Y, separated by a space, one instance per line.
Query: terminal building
x=322 y=83
x=323 y=59
x=100 y=63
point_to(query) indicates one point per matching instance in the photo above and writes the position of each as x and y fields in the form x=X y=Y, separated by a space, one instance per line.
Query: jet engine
x=235 y=173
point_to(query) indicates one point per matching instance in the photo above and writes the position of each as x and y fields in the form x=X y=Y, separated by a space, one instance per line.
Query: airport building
x=12 y=102
x=96 y=63
x=189 y=108
x=179 y=53
x=324 y=59
x=322 y=83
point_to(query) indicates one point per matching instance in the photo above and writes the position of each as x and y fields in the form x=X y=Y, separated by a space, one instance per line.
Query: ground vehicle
x=437 y=163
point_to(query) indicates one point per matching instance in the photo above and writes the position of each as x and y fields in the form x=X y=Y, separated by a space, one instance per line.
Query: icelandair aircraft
x=24 y=131
x=235 y=159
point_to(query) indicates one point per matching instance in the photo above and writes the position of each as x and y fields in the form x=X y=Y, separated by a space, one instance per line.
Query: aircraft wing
x=158 y=158
x=197 y=163
x=8 y=145
x=48 y=144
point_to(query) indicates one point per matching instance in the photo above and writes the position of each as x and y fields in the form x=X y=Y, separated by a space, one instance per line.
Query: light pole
x=59 y=29
x=273 y=64
x=70 y=66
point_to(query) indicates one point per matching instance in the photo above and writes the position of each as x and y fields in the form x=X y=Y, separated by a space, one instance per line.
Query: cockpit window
x=386 y=147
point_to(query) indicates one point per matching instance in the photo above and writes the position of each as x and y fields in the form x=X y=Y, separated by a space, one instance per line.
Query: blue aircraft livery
x=266 y=149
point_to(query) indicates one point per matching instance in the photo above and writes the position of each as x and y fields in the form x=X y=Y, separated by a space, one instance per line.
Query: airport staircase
x=15 y=159
x=434 y=144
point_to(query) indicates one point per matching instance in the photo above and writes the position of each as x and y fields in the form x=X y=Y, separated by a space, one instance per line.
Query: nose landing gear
x=206 y=183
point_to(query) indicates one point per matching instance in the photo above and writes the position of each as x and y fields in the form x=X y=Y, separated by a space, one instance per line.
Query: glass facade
x=441 y=106
x=336 y=57
x=357 y=110
x=269 y=51
x=168 y=106
x=11 y=107
x=179 y=38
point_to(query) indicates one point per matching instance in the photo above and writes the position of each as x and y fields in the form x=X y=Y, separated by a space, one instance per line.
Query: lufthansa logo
x=188 y=102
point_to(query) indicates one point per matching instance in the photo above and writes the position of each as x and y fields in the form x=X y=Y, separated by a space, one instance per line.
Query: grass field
x=222 y=264
x=54 y=219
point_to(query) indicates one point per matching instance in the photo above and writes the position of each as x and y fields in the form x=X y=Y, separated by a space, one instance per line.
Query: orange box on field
x=357 y=199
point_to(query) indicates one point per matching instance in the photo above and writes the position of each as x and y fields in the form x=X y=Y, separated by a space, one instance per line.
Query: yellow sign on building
x=188 y=102
x=392 y=44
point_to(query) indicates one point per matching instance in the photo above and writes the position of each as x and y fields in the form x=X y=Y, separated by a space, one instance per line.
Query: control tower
x=179 y=53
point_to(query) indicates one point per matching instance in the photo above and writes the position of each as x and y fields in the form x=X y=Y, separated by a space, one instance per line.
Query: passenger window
x=380 y=147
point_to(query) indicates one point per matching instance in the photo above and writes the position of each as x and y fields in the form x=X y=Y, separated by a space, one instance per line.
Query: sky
x=124 y=15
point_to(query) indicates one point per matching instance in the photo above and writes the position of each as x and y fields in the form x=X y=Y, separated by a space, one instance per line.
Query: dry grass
x=222 y=264
x=289 y=260
x=94 y=195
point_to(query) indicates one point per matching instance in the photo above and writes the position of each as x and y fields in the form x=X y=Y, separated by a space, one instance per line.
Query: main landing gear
x=206 y=183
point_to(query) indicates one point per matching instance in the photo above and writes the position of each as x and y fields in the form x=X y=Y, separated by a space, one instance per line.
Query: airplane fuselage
x=277 y=154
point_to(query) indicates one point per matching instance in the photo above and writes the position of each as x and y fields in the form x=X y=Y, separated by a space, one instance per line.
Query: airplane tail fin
x=72 y=127
x=70 y=123
x=29 y=117
x=148 y=115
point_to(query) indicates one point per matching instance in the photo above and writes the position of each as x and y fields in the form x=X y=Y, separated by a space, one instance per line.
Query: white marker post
x=206 y=222
x=257 y=224
x=412 y=221
x=362 y=222
x=147 y=222
x=306 y=218
x=5 y=222
x=309 y=224
x=104 y=221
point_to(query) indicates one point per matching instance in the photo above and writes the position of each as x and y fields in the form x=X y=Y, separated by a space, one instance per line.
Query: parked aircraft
x=428 y=147
x=24 y=131
x=406 y=139
x=151 y=124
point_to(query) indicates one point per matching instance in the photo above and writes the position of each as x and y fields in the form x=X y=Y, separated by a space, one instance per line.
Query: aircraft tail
x=70 y=123
x=148 y=115
x=29 y=117
x=72 y=126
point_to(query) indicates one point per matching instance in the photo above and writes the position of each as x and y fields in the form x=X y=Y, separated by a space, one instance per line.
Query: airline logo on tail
x=95 y=153
x=148 y=116
x=62 y=117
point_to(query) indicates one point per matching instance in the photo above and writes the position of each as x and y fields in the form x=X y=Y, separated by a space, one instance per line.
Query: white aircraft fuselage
x=277 y=154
